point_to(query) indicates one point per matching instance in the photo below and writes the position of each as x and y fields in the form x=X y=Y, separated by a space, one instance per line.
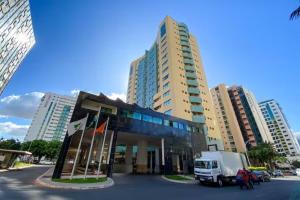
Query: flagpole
x=79 y=146
x=91 y=148
x=100 y=159
x=110 y=144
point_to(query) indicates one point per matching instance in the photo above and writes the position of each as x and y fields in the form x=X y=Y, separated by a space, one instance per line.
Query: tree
x=262 y=153
x=52 y=149
x=296 y=163
x=10 y=144
x=36 y=147
x=295 y=14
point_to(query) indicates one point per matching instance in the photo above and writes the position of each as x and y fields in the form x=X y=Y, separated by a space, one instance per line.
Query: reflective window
x=167 y=103
x=166 y=122
x=168 y=112
x=147 y=118
x=163 y=30
x=180 y=125
x=175 y=124
x=157 y=120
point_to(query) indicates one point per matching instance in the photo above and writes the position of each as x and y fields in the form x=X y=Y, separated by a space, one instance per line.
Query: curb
x=39 y=181
x=176 y=181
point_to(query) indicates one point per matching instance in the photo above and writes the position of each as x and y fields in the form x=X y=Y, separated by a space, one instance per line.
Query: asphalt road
x=19 y=185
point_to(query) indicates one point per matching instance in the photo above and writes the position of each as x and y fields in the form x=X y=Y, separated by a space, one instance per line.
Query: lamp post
x=247 y=142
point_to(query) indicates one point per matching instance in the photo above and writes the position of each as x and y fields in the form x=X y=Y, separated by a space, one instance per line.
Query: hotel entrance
x=137 y=154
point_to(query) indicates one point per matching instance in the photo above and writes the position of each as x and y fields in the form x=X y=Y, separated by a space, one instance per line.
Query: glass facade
x=147 y=78
x=16 y=37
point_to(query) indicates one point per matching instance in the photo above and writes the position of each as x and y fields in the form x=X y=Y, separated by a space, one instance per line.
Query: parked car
x=263 y=176
x=298 y=171
x=46 y=162
x=277 y=173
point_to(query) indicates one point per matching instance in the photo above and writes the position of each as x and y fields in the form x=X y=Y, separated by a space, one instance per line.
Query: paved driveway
x=19 y=185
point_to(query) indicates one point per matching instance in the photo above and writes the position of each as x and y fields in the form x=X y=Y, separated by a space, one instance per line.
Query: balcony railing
x=195 y=99
x=198 y=118
x=198 y=109
x=193 y=90
x=190 y=75
x=192 y=82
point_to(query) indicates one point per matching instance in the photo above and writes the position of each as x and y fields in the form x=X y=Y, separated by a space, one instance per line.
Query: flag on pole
x=76 y=126
x=101 y=128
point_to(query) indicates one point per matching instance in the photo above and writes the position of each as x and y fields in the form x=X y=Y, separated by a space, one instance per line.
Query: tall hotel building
x=228 y=123
x=52 y=118
x=170 y=78
x=16 y=37
x=284 y=140
x=252 y=124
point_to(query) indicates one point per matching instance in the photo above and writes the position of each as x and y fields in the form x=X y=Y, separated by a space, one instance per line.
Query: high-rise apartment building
x=170 y=78
x=52 y=117
x=284 y=139
x=16 y=37
x=228 y=124
x=249 y=116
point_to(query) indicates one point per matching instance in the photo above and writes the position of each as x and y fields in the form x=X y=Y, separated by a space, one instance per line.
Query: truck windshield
x=203 y=164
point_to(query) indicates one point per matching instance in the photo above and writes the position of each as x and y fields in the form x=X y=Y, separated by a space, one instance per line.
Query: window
x=165 y=69
x=188 y=128
x=166 y=85
x=180 y=125
x=166 y=93
x=157 y=120
x=175 y=124
x=163 y=30
x=165 y=77
x=167 y=103
x=214 y=164
x=166 y=122
x=147 y=118
x=168 y=112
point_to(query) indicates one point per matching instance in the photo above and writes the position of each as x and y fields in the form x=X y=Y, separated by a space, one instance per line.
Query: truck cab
x=207 y=170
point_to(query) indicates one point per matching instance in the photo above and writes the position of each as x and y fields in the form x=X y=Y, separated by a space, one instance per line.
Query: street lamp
x=247 y=142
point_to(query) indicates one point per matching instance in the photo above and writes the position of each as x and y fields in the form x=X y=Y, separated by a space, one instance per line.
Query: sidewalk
x=45 y=181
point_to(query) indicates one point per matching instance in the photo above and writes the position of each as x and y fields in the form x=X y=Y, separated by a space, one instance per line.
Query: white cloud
x=21 y=106
x=75 y=92
x=13 y=129
x=114 y=96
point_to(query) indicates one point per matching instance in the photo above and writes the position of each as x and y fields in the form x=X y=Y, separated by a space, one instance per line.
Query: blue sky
x=89 y=45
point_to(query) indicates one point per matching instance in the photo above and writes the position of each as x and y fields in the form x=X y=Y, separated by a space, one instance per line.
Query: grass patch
x=177 y=177
x=19 y=164
x=81 y=180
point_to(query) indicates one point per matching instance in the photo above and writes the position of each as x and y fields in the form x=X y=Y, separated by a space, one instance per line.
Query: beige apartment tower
x=228 y=124
x=170 y=78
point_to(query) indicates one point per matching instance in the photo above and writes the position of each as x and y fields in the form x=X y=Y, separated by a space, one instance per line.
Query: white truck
x=218 y=166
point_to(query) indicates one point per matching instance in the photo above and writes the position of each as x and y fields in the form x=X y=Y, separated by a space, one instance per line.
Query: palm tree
x=295 y=14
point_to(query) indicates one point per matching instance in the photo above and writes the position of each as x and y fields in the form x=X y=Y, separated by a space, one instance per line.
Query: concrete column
x=156 y=170
x=141 y=160
x=128 y=159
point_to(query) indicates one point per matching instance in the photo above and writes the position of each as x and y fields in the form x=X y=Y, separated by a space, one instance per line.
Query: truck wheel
x=220 y=182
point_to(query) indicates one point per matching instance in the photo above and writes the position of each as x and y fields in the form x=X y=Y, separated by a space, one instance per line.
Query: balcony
x=188 y=61
x=182 y=28
x=189 y=55
x=198 y=118
x=198 y=109
x=184 y=43
x=193 y=90
x=192 y=82
x=195 y=99
x=186 y=49
x=190 y=75
x=183 y=33
x=190 y=68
